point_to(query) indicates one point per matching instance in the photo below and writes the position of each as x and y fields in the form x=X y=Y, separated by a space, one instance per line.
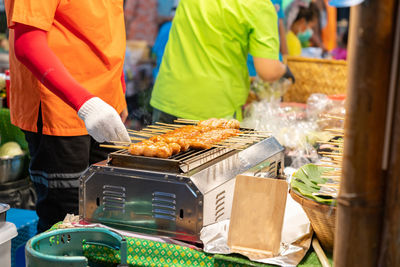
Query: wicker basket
x=322 y=218
x=316 y=76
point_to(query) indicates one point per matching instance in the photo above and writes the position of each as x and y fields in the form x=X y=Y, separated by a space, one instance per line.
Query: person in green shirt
x=203 y=73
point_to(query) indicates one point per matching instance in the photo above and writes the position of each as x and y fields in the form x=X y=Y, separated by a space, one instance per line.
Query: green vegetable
x=10 y=149
x=305 y=181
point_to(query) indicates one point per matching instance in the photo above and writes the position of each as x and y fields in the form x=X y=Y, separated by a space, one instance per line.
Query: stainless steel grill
x=177 y=196
x=180 y=163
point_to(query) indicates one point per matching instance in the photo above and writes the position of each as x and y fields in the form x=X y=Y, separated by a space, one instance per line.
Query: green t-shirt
x=203 y=73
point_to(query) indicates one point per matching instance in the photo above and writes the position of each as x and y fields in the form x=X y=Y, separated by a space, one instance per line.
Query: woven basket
x=316 y=76
x=322 y=218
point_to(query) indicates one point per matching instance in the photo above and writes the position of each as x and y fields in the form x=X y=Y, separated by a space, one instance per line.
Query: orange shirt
x=89 y=38
x=329 y=32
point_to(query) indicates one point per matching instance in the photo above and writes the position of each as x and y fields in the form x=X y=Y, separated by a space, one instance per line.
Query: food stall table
x=142 y=252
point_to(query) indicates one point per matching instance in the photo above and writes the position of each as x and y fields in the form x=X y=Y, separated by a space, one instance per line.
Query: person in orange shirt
x=66 y=92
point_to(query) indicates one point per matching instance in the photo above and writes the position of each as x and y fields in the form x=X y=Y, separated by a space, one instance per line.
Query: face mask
x=305 y=36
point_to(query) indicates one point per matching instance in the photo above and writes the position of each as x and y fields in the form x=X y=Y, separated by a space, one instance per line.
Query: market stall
x=311 y=172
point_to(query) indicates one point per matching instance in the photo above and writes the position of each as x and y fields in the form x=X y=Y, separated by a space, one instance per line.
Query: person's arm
x=264 y=39
x=31 y=49
x=282 y=37
x=269 y=70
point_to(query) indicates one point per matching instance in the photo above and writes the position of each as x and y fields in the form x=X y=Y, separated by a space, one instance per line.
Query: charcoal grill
x=173 y=197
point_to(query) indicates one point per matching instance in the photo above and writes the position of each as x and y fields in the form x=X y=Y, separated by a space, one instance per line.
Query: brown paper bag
x=257 y=216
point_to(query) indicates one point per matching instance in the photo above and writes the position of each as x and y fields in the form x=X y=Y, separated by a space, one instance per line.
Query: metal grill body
x=173 y=197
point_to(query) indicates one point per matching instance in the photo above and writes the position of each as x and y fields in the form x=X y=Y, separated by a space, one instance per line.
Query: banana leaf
x=305 y=182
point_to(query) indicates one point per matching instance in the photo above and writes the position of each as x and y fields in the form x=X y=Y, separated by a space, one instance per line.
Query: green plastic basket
x=64 y=247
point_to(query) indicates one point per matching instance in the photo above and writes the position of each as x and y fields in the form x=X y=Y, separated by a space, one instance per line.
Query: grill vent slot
x=164 y=206
x=219 y=205
x=272 y=170
x=114 y=198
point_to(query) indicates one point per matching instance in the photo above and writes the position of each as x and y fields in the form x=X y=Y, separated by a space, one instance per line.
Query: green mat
x=142 y=252
x=9 y=132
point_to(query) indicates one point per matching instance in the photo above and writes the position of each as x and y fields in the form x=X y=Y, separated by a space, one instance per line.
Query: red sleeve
x=32 y=50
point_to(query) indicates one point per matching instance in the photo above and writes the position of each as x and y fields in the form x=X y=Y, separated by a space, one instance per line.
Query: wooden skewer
x=257 y=131
x=340 y=153
x=332 y=159
x=162 y=127
x=333 y=117
x=333 y=154
x=155 y=130
x=329 y=166
x=133 y=131
x=232 y=143
x=136 y=132
x=339 y=168
x=186 y=120
x=339 y=150
x=140 y=133
x=183 y=119
x=330 y=143
x=144 y=134
x=230 y=147
x=121 y=142
x=330 y=153
x=329 y=157
x=254 y=135
x=138 y=139
x=114 y=146
x=170 y=125
x=337 y=134
x=329 y=176
x=332 y=173
x=335 y=130
x=336 y=162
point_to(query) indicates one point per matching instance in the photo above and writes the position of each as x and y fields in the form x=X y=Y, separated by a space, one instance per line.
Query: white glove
x=102 y=121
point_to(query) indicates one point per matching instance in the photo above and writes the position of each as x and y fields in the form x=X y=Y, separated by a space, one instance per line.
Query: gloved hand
x=102 y=121
x=289 y=75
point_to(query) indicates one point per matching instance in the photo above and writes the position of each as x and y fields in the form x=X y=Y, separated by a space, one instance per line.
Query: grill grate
x=180 y=163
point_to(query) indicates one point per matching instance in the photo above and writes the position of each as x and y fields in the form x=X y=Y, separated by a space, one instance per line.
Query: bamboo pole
x=389 y=252
x=361 y=196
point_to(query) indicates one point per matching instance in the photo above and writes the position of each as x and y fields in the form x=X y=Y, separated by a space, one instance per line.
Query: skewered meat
x=220 y=123
x=208 y=139
x=150 y=149
x=138 y=148
x=196 y=137
x=176 y=148
x=233 y=124
x=170 y=139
